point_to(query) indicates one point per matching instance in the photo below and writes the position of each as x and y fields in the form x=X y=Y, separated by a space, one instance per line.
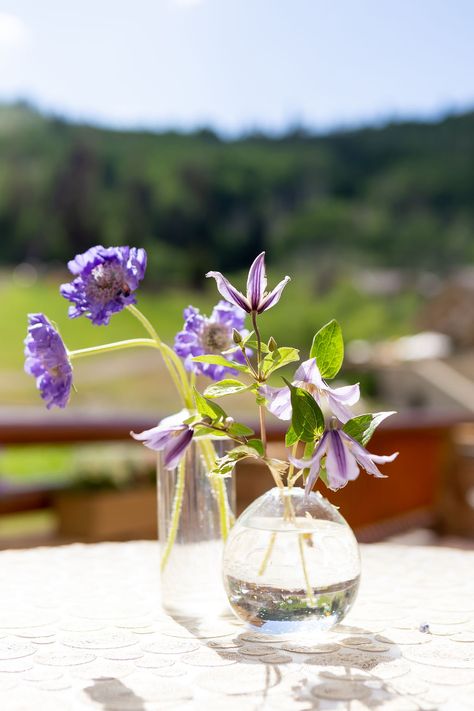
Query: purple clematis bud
x=257 y=300
x=106 y=278
x=207 y=336
x=309 y=378
x=48 y=361
x=170 y=437
x=343 y=457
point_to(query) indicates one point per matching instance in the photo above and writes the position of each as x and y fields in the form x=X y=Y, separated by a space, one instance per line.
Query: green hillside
x=401 y=195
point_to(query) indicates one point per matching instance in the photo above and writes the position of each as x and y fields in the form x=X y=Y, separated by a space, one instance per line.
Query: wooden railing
x=421 y=438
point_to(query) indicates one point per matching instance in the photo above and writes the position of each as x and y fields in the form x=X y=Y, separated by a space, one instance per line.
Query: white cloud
x=13 y=32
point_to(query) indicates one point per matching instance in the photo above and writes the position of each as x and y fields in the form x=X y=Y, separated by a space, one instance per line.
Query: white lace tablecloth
x=81 y=628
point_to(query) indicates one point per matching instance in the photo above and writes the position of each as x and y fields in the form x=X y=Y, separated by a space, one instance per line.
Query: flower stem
x=171 y=359
x=226 y=517
x=263 y=429
x=268 y=553
x=309 y=589
x=259 y=344
x=261 y=409
x=176 y=513
x=116 y=346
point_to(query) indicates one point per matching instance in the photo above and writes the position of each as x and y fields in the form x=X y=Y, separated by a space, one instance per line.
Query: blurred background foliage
x=372 y=221
x=398 y=196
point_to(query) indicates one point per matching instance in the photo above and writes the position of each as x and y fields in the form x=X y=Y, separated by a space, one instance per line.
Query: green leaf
x=328 y=349
x=362 y=428
x=278 y=359
x=291 y=437
x=225 y=465
x=240 y=430
x=254 y=345
x=256 y=444
x=307 y=419
x=207 y=408
x=228 y=386
x=203 y=431
x=220 y=360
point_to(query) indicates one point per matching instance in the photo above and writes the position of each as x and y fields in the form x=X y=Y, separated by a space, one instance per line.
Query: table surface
x=81 y=628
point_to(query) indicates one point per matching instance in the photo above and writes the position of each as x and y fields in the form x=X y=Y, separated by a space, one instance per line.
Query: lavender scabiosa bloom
x=309 y=378
x=256 y=300
x=171 y=436
x=106 y=278
x=47 y=360
x=206 y=336
x=344 y=455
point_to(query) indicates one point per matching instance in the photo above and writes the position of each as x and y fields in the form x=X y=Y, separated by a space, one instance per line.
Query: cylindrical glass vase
x=291 y=563
x=195 y=514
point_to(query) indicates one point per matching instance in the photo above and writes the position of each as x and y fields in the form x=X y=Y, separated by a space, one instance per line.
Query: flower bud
x=229 y=421
x=272 y=344
x=236 y=336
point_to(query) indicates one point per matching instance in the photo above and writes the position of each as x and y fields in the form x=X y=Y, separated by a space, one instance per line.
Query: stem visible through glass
x=176 y=512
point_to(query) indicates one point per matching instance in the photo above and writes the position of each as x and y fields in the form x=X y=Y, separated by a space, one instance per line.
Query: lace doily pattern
x=81 y=628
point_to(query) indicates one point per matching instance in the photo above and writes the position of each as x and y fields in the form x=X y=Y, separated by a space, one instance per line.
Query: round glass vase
x=291 y=563
x=195 y=514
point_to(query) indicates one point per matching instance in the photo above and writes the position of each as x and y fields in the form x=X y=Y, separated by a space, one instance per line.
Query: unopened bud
x=229 y=421
x=272 y=344
x=236 y=336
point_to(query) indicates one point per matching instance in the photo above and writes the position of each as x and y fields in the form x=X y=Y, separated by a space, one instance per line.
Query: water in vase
x=298 y=575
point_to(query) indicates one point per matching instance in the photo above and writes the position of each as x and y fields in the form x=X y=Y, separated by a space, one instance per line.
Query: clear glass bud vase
x=291 y=563
x=195 y=514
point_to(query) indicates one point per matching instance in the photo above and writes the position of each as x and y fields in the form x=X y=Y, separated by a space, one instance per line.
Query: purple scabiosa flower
x=309 y=378
x=171 y=436
x=343 y=457
x=257 y=300
x=47 y=360
x=106 y=278
x=206 y=336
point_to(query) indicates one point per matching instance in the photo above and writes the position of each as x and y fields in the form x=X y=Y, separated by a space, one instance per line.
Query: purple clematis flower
x=309 y=378
x=171 y=436
x=343 y=457
x=106 y=278
x=47 y=360
x=203 y=336
x=257 y=300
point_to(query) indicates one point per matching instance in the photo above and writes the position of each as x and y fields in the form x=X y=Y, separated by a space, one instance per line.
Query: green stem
x=171 y=359
x=268 y=553
x=117 y=346
x=309 y=589
x=176 y=513
x=226 y=517
x=261 y=409
x=259 y=343
x=263 y=429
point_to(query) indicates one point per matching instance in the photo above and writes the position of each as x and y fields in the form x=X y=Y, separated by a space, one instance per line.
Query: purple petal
x=256 y=281
x=308 y=372
x=278 y=401
x=273 y=297
x=383 y=459
x=314 y=463
x=154 y=438
x=366 y=459
x=339 y=409
x=229 y=292
x=175 y=450
x=348 y=394
x=341 y=465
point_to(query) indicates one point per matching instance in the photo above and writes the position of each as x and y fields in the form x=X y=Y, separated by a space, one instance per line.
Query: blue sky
x=239 y=64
